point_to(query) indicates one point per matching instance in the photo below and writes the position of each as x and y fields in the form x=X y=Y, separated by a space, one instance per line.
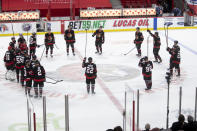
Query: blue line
x=189 y=49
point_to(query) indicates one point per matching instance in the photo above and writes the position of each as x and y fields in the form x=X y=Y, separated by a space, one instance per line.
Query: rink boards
x=109 y=25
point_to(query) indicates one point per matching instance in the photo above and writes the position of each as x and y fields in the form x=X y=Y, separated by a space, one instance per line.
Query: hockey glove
x=148 y=31
x=95 y=76
x=38 y=46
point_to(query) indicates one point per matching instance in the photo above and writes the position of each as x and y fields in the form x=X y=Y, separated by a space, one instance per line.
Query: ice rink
x=116 y=73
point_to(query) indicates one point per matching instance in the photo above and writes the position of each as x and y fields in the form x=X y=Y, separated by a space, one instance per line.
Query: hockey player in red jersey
x=90 y=73
x=28 y=76
x=69 y=36
x=100 y=39
x=39 y=78
x=49 y=42
x=20 y=63
x=9 y=59
x=22 y=43
x=175 y=58
x=147 y=67
x=138 y=40
x=12 y=44
x=156 y=46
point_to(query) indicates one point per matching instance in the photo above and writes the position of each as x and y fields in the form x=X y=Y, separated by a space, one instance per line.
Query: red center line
x=103 y=86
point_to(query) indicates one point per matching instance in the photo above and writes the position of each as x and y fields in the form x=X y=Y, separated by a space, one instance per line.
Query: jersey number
x=19 y=60
x=7 y=57
x=39 y=71
x=89 y=70
x=148 y=69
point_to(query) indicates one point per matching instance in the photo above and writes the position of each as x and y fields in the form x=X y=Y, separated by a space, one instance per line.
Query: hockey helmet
x=37 y=63
x=27 y=62
x=18 y=50
x=13 y=38
x=176 y=42
x=145 y=58
x=90 y=59
x=34 y=33
x=157 y=33
x=34 y=57
x=69 y=26
x=138 y=28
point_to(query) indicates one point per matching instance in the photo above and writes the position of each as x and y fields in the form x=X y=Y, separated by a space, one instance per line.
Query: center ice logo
x=3 y=28
x=26 y=27
x=107 y=72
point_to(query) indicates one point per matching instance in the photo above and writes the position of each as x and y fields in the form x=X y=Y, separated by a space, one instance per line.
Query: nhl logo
x=26 y=27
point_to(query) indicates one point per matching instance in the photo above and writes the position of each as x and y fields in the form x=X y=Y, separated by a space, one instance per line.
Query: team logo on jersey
x=69 y=35
x=3 y=28
x=26 y=27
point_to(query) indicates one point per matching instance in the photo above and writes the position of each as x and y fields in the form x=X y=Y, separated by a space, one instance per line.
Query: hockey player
x=9 y=59
x=156 y=46
x=175 y=58
x=20 y=62
x=147 y=67
x=100 y=39
x=32 y=44
x=28 y=75
x=33 y=61
x=12 y=44
x=138 y=40
x=49 y=42
x=69 y=36
x=39 y=78
x=90 y=73
x=22 y=43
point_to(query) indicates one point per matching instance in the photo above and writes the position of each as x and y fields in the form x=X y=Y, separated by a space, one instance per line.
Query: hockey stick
x=42 y=53
x=12 y=25
x=148 y=45
x=86 y=41
x=147 y=29
x=56 y=46
x=53 y=82
x=40 y=45
x=130 y=51
x=53 y=79
x=6 y=75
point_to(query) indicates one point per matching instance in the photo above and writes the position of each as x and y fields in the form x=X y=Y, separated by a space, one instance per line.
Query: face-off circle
x=107 y=72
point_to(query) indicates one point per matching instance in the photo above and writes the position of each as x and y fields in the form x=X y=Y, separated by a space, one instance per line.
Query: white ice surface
x=103 y=110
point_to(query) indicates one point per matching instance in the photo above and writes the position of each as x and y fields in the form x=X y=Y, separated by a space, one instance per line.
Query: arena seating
x=137 y=3
x=93 y=3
